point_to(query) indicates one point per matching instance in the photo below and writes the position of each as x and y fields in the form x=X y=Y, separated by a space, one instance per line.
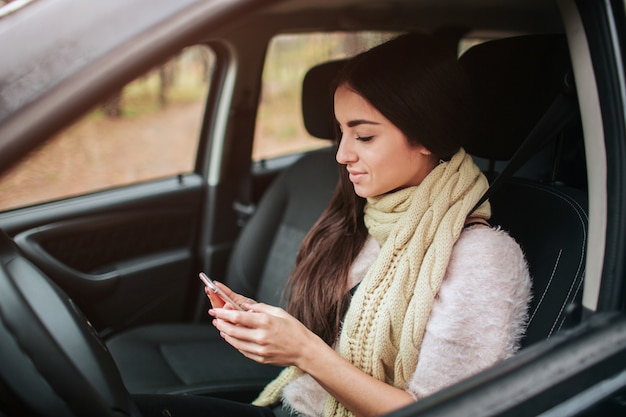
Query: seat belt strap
x=561 y=112
x=243 y=205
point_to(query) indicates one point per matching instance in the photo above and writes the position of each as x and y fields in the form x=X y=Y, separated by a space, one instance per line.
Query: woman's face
x=377 y=155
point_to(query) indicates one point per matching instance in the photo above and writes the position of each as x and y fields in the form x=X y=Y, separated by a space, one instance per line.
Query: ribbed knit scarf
x=416 y=228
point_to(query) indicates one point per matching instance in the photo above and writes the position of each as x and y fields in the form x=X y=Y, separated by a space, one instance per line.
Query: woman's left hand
x=265 y=334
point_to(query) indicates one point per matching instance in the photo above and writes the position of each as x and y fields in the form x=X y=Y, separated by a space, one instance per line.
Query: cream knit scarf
x=416 y=228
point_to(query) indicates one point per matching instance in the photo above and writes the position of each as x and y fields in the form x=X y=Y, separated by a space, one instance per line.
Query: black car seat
x=547 y=221
x=544 y=207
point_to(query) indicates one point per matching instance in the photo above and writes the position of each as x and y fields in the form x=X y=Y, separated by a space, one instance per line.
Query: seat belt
x=561 y=112
x=243 y=205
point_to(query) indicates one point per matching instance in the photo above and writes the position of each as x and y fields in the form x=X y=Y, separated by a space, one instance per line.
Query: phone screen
x=214 y=288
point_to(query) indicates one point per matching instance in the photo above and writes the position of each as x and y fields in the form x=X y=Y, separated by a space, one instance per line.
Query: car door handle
x=30 y=243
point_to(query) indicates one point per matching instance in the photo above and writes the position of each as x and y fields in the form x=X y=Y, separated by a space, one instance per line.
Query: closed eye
x=364 y=138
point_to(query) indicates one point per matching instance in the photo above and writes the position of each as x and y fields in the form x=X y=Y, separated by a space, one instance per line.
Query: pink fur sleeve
x=479 y=314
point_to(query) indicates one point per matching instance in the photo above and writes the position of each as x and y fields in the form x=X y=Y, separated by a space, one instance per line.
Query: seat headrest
x=317 y=99
x=515 y=81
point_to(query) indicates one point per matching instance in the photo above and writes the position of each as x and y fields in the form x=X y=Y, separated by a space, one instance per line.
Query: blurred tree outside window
x=147 y=130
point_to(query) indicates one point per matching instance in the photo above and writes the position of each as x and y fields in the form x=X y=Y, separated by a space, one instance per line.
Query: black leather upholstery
x=317 y=103
x=516 y=80
x=186 y=358
x=550 y=224
x=548 y=221
x=512 y=91
x=265 y=252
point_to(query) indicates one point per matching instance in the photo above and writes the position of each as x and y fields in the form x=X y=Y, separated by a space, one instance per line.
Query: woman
x=401 y=288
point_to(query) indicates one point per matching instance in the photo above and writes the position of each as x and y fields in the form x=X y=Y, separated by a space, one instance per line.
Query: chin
x=362 y=193
x=367 y=193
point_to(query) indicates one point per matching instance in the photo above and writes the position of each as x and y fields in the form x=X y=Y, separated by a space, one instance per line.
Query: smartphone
x=214 y=288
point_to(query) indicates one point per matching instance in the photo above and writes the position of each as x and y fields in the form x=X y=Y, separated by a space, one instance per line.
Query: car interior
x=245 y=228
x=269 y=241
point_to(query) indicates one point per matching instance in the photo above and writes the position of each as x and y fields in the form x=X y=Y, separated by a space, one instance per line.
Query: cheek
x=403 y=163
x=406 y=170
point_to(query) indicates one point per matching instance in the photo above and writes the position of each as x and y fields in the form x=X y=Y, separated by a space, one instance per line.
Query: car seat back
x=516 y=80
x=265 y=252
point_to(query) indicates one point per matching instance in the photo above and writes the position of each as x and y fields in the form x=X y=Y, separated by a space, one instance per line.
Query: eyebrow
x=353 y=123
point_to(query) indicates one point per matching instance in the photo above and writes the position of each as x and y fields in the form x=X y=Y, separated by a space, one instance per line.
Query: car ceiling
x=520 y=15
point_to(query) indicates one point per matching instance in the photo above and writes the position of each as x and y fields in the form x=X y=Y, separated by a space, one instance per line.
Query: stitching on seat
x=563 y=305
x=547 y=287
x=580 y=283
x=582 y=216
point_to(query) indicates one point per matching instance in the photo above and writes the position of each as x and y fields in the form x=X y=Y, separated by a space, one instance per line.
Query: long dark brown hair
x=417 y=84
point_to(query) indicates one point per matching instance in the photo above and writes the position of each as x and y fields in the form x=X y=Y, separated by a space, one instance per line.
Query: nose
x=345 y=152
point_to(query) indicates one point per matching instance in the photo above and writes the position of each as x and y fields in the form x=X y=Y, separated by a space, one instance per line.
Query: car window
x=279 y=127
x=147 y=130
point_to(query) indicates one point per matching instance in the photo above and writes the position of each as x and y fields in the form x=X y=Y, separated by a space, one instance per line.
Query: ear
x=423 y=150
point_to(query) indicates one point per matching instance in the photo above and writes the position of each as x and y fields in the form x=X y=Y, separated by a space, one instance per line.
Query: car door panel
x=126 y=257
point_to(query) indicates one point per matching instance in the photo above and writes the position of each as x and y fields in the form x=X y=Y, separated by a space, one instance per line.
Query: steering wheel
x=52 y=362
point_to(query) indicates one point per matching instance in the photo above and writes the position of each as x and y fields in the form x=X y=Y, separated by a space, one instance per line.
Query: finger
x=267 y=309
x=246 y=349
x=216 y=301
x=229 y=306
x=244 y=318
x=249 y=342
x=233 y=316
x=253 y=327
x=236 y=331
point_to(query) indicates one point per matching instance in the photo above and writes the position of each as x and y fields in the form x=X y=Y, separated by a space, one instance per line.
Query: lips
x=355 y=176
